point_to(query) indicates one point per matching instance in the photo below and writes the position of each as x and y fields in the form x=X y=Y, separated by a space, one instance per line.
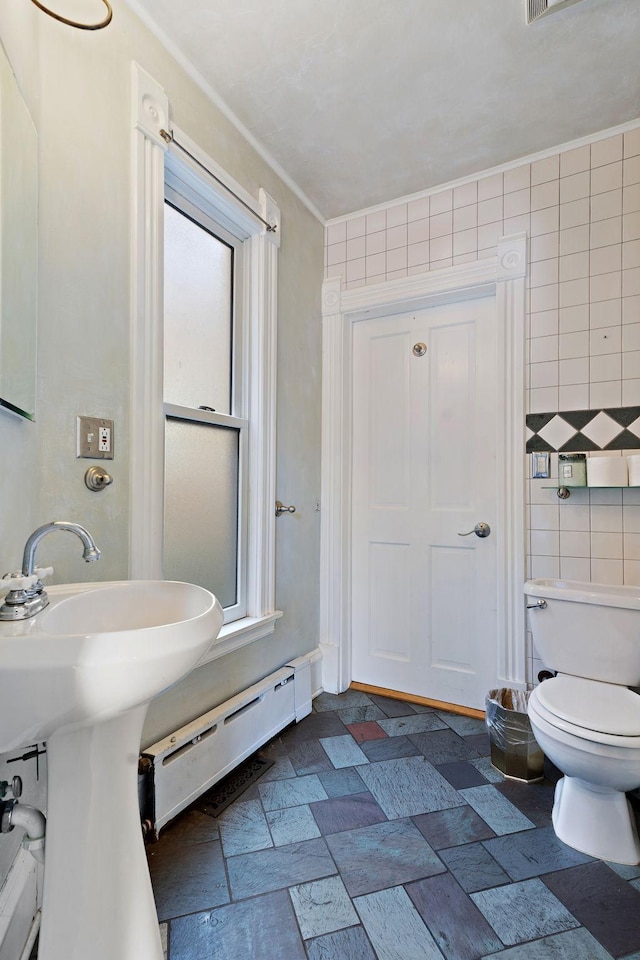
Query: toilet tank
x=587 y=629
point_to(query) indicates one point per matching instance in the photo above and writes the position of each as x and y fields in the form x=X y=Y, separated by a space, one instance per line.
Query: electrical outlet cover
x=95 y=438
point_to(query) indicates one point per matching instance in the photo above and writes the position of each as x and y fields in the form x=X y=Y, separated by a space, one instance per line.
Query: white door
x=424 y=613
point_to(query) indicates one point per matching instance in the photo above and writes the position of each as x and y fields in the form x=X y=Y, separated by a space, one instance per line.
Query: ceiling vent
x=541 y=8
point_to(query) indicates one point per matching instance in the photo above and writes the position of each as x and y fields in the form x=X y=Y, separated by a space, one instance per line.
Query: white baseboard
x=316 y=672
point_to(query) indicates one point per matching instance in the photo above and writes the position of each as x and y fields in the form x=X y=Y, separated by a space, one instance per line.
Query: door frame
x=505 y=277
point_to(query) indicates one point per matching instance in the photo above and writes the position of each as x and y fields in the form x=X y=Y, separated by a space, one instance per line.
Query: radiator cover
x=183 y=765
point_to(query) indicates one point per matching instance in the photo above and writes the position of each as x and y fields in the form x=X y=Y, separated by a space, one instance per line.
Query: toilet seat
x=602 y=712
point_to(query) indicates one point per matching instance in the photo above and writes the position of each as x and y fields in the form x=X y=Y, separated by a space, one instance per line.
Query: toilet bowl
x=586 y=719
x=591 y=732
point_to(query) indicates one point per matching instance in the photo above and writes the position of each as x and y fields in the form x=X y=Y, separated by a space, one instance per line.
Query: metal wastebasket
x=514 y=749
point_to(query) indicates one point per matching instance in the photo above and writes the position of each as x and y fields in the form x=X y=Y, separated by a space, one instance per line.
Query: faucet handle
x=16 y=581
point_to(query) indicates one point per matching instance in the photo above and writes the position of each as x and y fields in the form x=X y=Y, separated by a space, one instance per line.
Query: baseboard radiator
x=175 y=771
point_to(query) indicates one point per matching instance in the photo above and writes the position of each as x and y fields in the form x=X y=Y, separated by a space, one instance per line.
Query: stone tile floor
x=382 y=831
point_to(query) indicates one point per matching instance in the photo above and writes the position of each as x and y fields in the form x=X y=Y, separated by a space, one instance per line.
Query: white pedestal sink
x=80 y=675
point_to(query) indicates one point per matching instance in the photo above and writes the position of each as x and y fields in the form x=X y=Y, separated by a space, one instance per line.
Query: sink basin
x=80 y=675
x=97 y=650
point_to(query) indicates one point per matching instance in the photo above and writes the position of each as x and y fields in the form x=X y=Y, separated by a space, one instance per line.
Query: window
x=206 y=432
x=240 y=431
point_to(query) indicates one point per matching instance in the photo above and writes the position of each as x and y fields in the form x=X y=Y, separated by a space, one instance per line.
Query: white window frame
x=154 y=162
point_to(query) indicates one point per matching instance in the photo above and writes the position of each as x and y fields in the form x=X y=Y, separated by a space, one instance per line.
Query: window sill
x=239 y=634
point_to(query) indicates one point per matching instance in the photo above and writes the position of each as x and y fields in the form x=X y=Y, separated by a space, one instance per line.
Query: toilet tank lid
x=602 y=707
x=576 y=591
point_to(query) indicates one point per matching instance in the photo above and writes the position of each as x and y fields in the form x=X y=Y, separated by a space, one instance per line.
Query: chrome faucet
x=89 y=553
x=28 y=596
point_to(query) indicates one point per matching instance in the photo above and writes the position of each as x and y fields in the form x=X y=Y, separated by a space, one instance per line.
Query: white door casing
x=504 y=277
x=425 y=416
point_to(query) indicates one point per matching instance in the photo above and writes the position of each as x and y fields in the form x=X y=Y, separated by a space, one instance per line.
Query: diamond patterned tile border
x=583 y=430
x=557 y=432
x=602 y=429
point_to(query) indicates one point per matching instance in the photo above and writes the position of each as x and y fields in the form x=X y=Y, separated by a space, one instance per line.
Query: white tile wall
x=598 y=533
x=581 y=210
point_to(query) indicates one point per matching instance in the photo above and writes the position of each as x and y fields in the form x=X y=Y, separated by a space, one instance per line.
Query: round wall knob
x=280 y=509
x=97 y=478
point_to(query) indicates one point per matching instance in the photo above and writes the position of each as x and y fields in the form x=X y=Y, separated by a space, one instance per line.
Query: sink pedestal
x=79 y=675
x=97 y=899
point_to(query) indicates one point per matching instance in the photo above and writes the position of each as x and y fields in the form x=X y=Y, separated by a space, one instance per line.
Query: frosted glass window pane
x=201 y=506
x=198 y=271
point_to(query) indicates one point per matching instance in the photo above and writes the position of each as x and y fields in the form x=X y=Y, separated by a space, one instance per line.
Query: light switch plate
x=95 y=438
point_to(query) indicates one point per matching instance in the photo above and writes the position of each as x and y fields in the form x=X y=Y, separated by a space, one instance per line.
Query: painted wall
x=580 y=206
x=77 y=86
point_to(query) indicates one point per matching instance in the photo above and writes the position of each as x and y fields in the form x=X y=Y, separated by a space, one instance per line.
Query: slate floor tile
x=350 y=944
x=532 y=853
x=443 y=746
x=309 y=757
x=473 y=867
x=625 y=870
x=243 y=828
x=341 y=701
x=282 y=769
x=192 y=826
x=458 y=927
x=276 y=749
x=448 y=828
x=340 y=783
x=366 y=730
x=416 y=723
x=603 y=902
x=409 y=786
x=383 y=855
x=496 y=810
x=391 y=748
x=292 y=825
x=461 y=774
x=573 y=945
x=480 y=743
x=535 y=800
x=290 y=793
x=364 y=714
x=523 y=911
x=322 y=906
x=463 y=726
x=394 y=926
x=462 y=870
x=187 y=880
x=240 y=930
x=392 y=707
x=343 y=751
x=346 y=813
x=314 y=726
x=487 y=769
x=251 y=874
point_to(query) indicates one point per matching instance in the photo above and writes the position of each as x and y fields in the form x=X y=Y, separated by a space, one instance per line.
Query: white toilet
x=586 y=719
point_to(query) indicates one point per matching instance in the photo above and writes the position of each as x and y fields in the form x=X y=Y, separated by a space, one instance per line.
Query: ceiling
x=364 y=101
